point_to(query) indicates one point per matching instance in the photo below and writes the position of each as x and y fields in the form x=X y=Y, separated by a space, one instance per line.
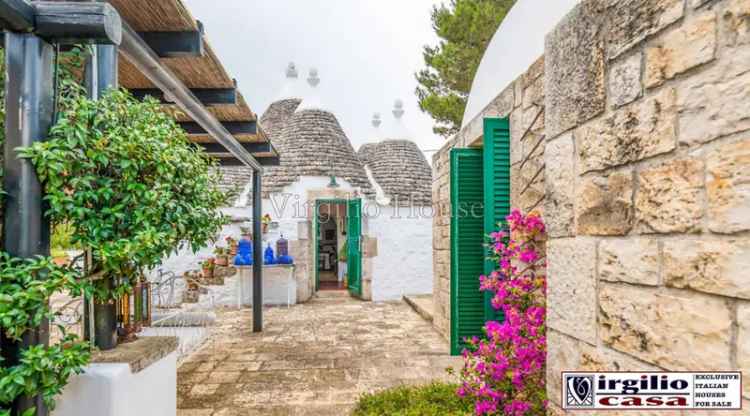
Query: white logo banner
x=653 y=391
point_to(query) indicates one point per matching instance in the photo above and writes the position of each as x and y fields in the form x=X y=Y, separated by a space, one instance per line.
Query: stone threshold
x=139 y=354
x=422 y=305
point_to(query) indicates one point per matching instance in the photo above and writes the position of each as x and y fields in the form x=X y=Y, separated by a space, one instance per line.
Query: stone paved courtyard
x=311 y=359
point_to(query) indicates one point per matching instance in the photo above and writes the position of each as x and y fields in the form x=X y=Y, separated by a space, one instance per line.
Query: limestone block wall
x=648 y=192
x=523 y=103
x=643 y=139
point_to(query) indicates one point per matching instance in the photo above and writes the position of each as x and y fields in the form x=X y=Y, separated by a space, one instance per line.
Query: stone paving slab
x=315 y=358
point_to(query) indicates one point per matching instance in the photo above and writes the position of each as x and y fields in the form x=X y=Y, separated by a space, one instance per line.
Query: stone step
x=422 y=305
x=328 y=294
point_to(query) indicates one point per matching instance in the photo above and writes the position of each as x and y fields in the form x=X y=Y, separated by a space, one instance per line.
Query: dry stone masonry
x=645 y=153
x=400 y=168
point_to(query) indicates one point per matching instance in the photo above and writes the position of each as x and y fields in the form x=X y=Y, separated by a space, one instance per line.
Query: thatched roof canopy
x=195 y=72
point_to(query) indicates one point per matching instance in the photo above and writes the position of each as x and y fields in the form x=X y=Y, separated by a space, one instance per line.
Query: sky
x=366 y=53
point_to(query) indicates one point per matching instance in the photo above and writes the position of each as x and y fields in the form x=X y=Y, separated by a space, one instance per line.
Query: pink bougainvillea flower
x=504 y=372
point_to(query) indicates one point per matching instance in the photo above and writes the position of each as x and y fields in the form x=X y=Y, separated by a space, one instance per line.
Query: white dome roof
x=516 y=45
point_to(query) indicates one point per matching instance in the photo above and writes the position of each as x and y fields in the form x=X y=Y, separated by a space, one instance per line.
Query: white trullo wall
x=403 y=265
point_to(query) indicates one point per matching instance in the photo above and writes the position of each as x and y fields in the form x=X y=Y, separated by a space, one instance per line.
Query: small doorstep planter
x=137 y=378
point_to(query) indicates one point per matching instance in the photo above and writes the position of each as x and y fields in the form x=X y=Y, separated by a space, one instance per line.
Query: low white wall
x=112 y=390
x=279 y=285
x=403 y=265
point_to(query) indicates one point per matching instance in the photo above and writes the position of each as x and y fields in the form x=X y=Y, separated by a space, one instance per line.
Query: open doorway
x=331 y=245
x=337 y=245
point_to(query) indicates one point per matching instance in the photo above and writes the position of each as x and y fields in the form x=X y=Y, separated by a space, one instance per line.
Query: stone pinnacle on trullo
x=376 y=120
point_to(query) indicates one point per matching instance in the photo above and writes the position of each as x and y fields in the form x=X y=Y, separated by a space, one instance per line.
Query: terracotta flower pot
x=208 y=273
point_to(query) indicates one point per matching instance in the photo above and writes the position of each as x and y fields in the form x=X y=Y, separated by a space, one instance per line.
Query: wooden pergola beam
x=16 y=15
x=137 y=51
x=250 y=147
x=75 y=22
x=176 y=44
x=207 y=96
x=63 y=22
x=233 y=127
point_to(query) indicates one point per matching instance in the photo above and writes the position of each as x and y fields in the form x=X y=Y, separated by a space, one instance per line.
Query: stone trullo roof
x=366 y=152
x=400 y=169
x=276 y=116
x=237 y=178
x=234 y=180
x=312 y=143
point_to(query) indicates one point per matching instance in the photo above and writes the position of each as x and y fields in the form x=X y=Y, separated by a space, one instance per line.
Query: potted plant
x=221 y=256
x=265 y=222
x=231 y=246
x=208 y=269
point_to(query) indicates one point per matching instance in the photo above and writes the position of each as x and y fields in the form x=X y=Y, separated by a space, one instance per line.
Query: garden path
x=311 y=359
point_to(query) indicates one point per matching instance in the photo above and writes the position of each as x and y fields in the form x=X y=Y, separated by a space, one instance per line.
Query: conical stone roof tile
x=400 y=169
x=312 y=143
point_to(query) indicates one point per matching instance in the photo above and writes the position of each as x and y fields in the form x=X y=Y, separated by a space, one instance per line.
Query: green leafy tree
x=125 y=177
x=465 y=28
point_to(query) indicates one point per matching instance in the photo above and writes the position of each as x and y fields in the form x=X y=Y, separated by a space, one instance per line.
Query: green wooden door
x=354 y=252
x=467 y=246
x=496 y=189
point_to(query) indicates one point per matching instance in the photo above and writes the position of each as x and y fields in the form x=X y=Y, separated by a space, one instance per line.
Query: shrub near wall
x=504 y=372
x=123 y=176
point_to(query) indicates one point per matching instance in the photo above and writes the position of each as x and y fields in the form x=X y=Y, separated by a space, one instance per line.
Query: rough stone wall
x=648 y=191
x=644 y=144
x=523 y=102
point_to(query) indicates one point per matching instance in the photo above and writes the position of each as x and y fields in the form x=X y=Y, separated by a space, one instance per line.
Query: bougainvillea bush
x=504 y=372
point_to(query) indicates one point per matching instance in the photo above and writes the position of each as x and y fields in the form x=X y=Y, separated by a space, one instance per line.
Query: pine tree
x=465 y=28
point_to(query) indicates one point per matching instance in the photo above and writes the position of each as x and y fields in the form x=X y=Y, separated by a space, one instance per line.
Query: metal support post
x=257 y=254
x=29 y=105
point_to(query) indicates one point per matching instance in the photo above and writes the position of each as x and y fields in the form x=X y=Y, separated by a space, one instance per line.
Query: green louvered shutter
x=354 y=252
x=467 y=249
x=496 y=189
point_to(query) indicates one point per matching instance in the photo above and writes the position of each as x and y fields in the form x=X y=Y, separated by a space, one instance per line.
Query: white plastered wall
x=113 y=390
x=403 y=265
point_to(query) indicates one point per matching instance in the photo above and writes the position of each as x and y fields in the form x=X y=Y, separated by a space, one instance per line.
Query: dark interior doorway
x=331 y=246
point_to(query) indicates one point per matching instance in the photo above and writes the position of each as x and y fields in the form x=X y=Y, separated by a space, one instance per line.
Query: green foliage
x=123 y=174
x=26 y=286
x=62 y=237
x=122 y=180
x=437 y=399
x=465 y=28
x=43 y=370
